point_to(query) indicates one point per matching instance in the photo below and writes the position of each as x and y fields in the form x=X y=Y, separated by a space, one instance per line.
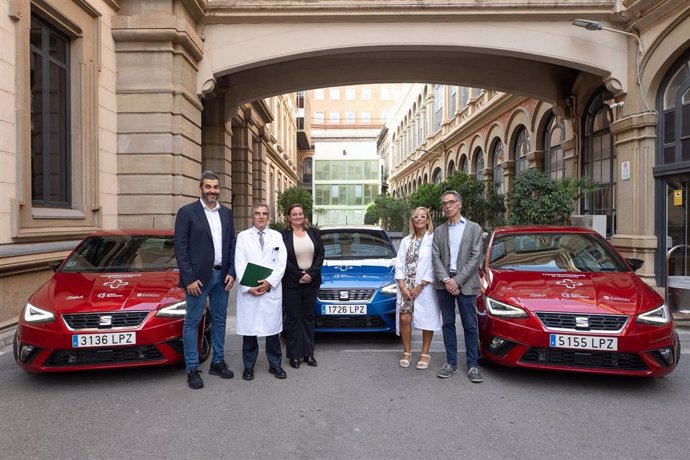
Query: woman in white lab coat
x=417 y=303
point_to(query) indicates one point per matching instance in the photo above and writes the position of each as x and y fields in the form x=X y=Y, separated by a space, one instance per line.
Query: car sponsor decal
x=109 y=295
x=613 y=298
x=116 y=283
x=569 y=284
x=74 y=297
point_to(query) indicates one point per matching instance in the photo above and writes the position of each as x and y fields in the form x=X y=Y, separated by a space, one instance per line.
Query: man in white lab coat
x=259 y=309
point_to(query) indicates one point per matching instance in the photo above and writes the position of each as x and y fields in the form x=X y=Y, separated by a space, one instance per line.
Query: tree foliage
x=294 y=195
x=537 y=199
x=390 y=213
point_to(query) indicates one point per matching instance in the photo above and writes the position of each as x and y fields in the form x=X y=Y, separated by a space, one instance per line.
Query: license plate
x=110 y=339
x=343 y=309
x=583 y=342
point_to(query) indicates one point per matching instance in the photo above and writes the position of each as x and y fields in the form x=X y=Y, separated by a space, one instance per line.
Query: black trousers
x=250 y=350
x=299 y=322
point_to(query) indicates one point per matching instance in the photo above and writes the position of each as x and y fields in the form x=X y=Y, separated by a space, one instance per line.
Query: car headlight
x=657 y=317
x=33 y=314
x=175 y=310
x=504 y=310
x=391 y=289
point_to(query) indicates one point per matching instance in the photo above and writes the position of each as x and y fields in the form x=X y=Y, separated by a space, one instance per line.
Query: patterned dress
x=407 y=305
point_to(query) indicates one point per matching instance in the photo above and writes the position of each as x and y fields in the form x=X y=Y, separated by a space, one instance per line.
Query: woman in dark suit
x=301 y=285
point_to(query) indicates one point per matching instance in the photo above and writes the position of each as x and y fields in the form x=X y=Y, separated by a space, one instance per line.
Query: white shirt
x=455 y=232
x=213 y=218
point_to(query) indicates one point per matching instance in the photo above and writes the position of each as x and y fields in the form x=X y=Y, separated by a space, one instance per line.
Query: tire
x=15 y=351
x=205 y=344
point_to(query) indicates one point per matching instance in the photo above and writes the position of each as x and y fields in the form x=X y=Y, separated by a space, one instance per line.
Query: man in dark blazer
x=205 y=252
x=456 y=249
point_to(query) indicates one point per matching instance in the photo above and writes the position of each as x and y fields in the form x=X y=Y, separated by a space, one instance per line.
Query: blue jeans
x=468 y=316
x=218 y=301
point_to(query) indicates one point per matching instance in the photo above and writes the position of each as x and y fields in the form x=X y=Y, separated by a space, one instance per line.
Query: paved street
x=356 y=404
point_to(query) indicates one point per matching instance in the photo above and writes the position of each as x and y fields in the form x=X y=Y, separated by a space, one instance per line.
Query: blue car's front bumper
x=342 y=291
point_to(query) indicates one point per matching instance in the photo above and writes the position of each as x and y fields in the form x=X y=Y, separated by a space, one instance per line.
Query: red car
x=114 y=302
x=562 y=298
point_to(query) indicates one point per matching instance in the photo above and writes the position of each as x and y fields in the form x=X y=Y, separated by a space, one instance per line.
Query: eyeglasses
x=449 y=202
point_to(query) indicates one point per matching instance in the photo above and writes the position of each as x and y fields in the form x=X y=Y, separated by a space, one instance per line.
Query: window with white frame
x=365 y=117
x=319 y=118
x=318 y=94
x=350 y=93
x=334 y=117
x=350 y=117
x=334 y=94
x=366 y=94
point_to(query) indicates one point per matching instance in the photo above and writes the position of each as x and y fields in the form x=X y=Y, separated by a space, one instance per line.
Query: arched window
x=599 y=160
x=521 y=149
x=676 y=117
x=553 y=138
x=307 y=165
x=497 y=164
x=451 y=168
x=437 y=177
x=479 y=164
x=464 y=165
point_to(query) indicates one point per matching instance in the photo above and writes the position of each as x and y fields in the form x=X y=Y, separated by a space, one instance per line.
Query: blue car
x=358 y=285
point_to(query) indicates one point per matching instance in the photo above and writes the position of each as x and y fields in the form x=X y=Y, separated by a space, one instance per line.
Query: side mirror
x=54 y=265
x=635 y=264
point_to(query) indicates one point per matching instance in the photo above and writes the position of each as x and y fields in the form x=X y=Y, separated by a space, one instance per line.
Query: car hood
x=368 y=273
x=594 y=293
x=77 y=292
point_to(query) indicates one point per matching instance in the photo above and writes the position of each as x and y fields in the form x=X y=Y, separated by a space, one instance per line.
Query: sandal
x=423 y=364
x=405 y=360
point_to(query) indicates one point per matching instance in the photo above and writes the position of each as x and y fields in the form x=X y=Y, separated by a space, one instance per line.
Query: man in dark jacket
x=205 y=252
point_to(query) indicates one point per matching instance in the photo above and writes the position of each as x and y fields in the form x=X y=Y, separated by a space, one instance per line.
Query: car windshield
x=122 y=253
x=356 y=244
x=554 y=252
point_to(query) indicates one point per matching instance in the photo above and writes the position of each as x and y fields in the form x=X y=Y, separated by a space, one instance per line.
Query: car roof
x=543 y=229
x=135 y=232
x=350 y=227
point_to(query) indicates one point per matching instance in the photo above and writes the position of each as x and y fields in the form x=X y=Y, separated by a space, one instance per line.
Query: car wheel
x=205 y=345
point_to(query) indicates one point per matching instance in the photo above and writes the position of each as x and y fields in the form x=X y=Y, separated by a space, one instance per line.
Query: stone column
x=635 y=139
x=216 y=136
x=242 y=174
x=159 y=157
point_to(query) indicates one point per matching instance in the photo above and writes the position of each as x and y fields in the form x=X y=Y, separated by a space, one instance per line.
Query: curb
x=7 y=336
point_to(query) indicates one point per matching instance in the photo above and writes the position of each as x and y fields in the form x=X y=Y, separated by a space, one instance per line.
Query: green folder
x=253 y=273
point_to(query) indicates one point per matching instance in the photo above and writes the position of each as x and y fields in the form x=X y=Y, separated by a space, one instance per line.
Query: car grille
x=94 y=356
x=585 y=359
x=353 y=295
x=93 y=320
x=567 y=321
x=348 y=322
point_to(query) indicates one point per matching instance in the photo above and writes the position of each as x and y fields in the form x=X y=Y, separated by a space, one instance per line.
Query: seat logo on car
x=343 y=268
x=344 y=295
x=116 y=283
x=105 y=320
x=570 y=284
x=581 y=321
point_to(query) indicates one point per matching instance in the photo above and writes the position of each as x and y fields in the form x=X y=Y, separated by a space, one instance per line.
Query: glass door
x=678 y=233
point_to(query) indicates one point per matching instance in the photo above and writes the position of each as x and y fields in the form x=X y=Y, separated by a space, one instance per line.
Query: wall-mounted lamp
x=594 y=26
